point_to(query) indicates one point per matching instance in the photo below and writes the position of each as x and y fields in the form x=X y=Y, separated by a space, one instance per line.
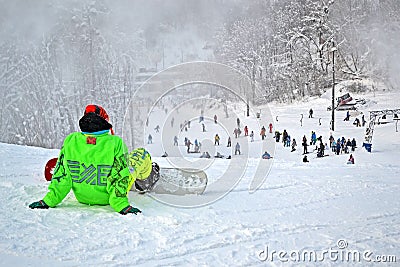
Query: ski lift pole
x=333 y=85
x=301 y=120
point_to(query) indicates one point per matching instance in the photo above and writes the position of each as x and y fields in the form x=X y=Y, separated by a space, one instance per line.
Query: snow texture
x=313 y=206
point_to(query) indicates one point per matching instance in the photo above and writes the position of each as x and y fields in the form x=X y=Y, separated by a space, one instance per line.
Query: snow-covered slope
x=318 y=207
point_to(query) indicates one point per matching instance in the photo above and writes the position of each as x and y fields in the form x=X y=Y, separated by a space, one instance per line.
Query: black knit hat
x=95 y=119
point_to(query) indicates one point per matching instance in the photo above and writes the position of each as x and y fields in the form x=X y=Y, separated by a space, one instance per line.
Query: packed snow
x=324 y=209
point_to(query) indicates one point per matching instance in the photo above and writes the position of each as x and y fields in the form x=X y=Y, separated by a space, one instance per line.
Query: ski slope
x=323 y=205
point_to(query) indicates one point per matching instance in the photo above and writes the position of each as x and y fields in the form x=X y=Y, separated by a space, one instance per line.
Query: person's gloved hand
x=130 y=209
x=39 y=205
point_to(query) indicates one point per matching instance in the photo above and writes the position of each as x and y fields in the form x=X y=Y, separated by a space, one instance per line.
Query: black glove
x=39 y=205
x=130 y=209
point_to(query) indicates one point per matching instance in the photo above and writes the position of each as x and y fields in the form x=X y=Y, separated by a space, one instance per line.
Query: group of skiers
x=217 y=139
x=342 y=145
x=357 y=122
x=264 y=131
x=338 y=147
x=188 y=144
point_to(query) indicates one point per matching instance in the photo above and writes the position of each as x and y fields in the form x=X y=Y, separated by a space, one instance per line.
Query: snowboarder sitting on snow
x=219 y=156
x=205 y=155
x=305 y=158
x=95 y=165
x=266 y=155
x=351 y=159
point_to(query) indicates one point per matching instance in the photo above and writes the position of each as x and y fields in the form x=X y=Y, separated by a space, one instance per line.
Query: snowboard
x=173 y=181
x=177 y=181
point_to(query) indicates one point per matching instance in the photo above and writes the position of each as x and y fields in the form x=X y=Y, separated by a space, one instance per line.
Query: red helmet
x=97 y=110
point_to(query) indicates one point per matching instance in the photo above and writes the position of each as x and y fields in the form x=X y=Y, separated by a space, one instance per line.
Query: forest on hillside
x=58 y=56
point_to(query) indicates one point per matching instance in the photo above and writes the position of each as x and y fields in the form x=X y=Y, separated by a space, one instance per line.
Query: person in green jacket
x=96 y=166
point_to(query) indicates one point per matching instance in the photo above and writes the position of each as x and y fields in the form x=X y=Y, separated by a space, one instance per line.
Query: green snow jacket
x=95 y=167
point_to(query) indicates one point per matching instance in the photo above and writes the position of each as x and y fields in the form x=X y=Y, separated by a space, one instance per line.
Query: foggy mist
x=56 y=55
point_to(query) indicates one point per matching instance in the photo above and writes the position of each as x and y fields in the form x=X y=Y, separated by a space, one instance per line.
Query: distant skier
x=262 y=133
x=176 y=140
x=334 y=146
x=284 y=137
x=157 y=129
x=347 y=118
x=277 y=136
x=150 y=139
x=237 y=148
x=331 y=139
x=188 y=144
x=270 y=128
x=216 y=139
x=338 y=146
x=357 y=122
x=363 y=120
x=196 y=146
x=304 y=144
x=347 y=146
x=313 y=137
x=252 y=136
x=201 y=118
x=321 y=150
x=215 y=119
x=288 y=139
x=353 y=144
x=246 y=131
x=229 y=142
x=236 y=133
x=294 y=144
x=310 y=113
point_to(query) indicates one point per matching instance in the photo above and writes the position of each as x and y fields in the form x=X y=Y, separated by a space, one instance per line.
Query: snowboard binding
x=148 y=183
